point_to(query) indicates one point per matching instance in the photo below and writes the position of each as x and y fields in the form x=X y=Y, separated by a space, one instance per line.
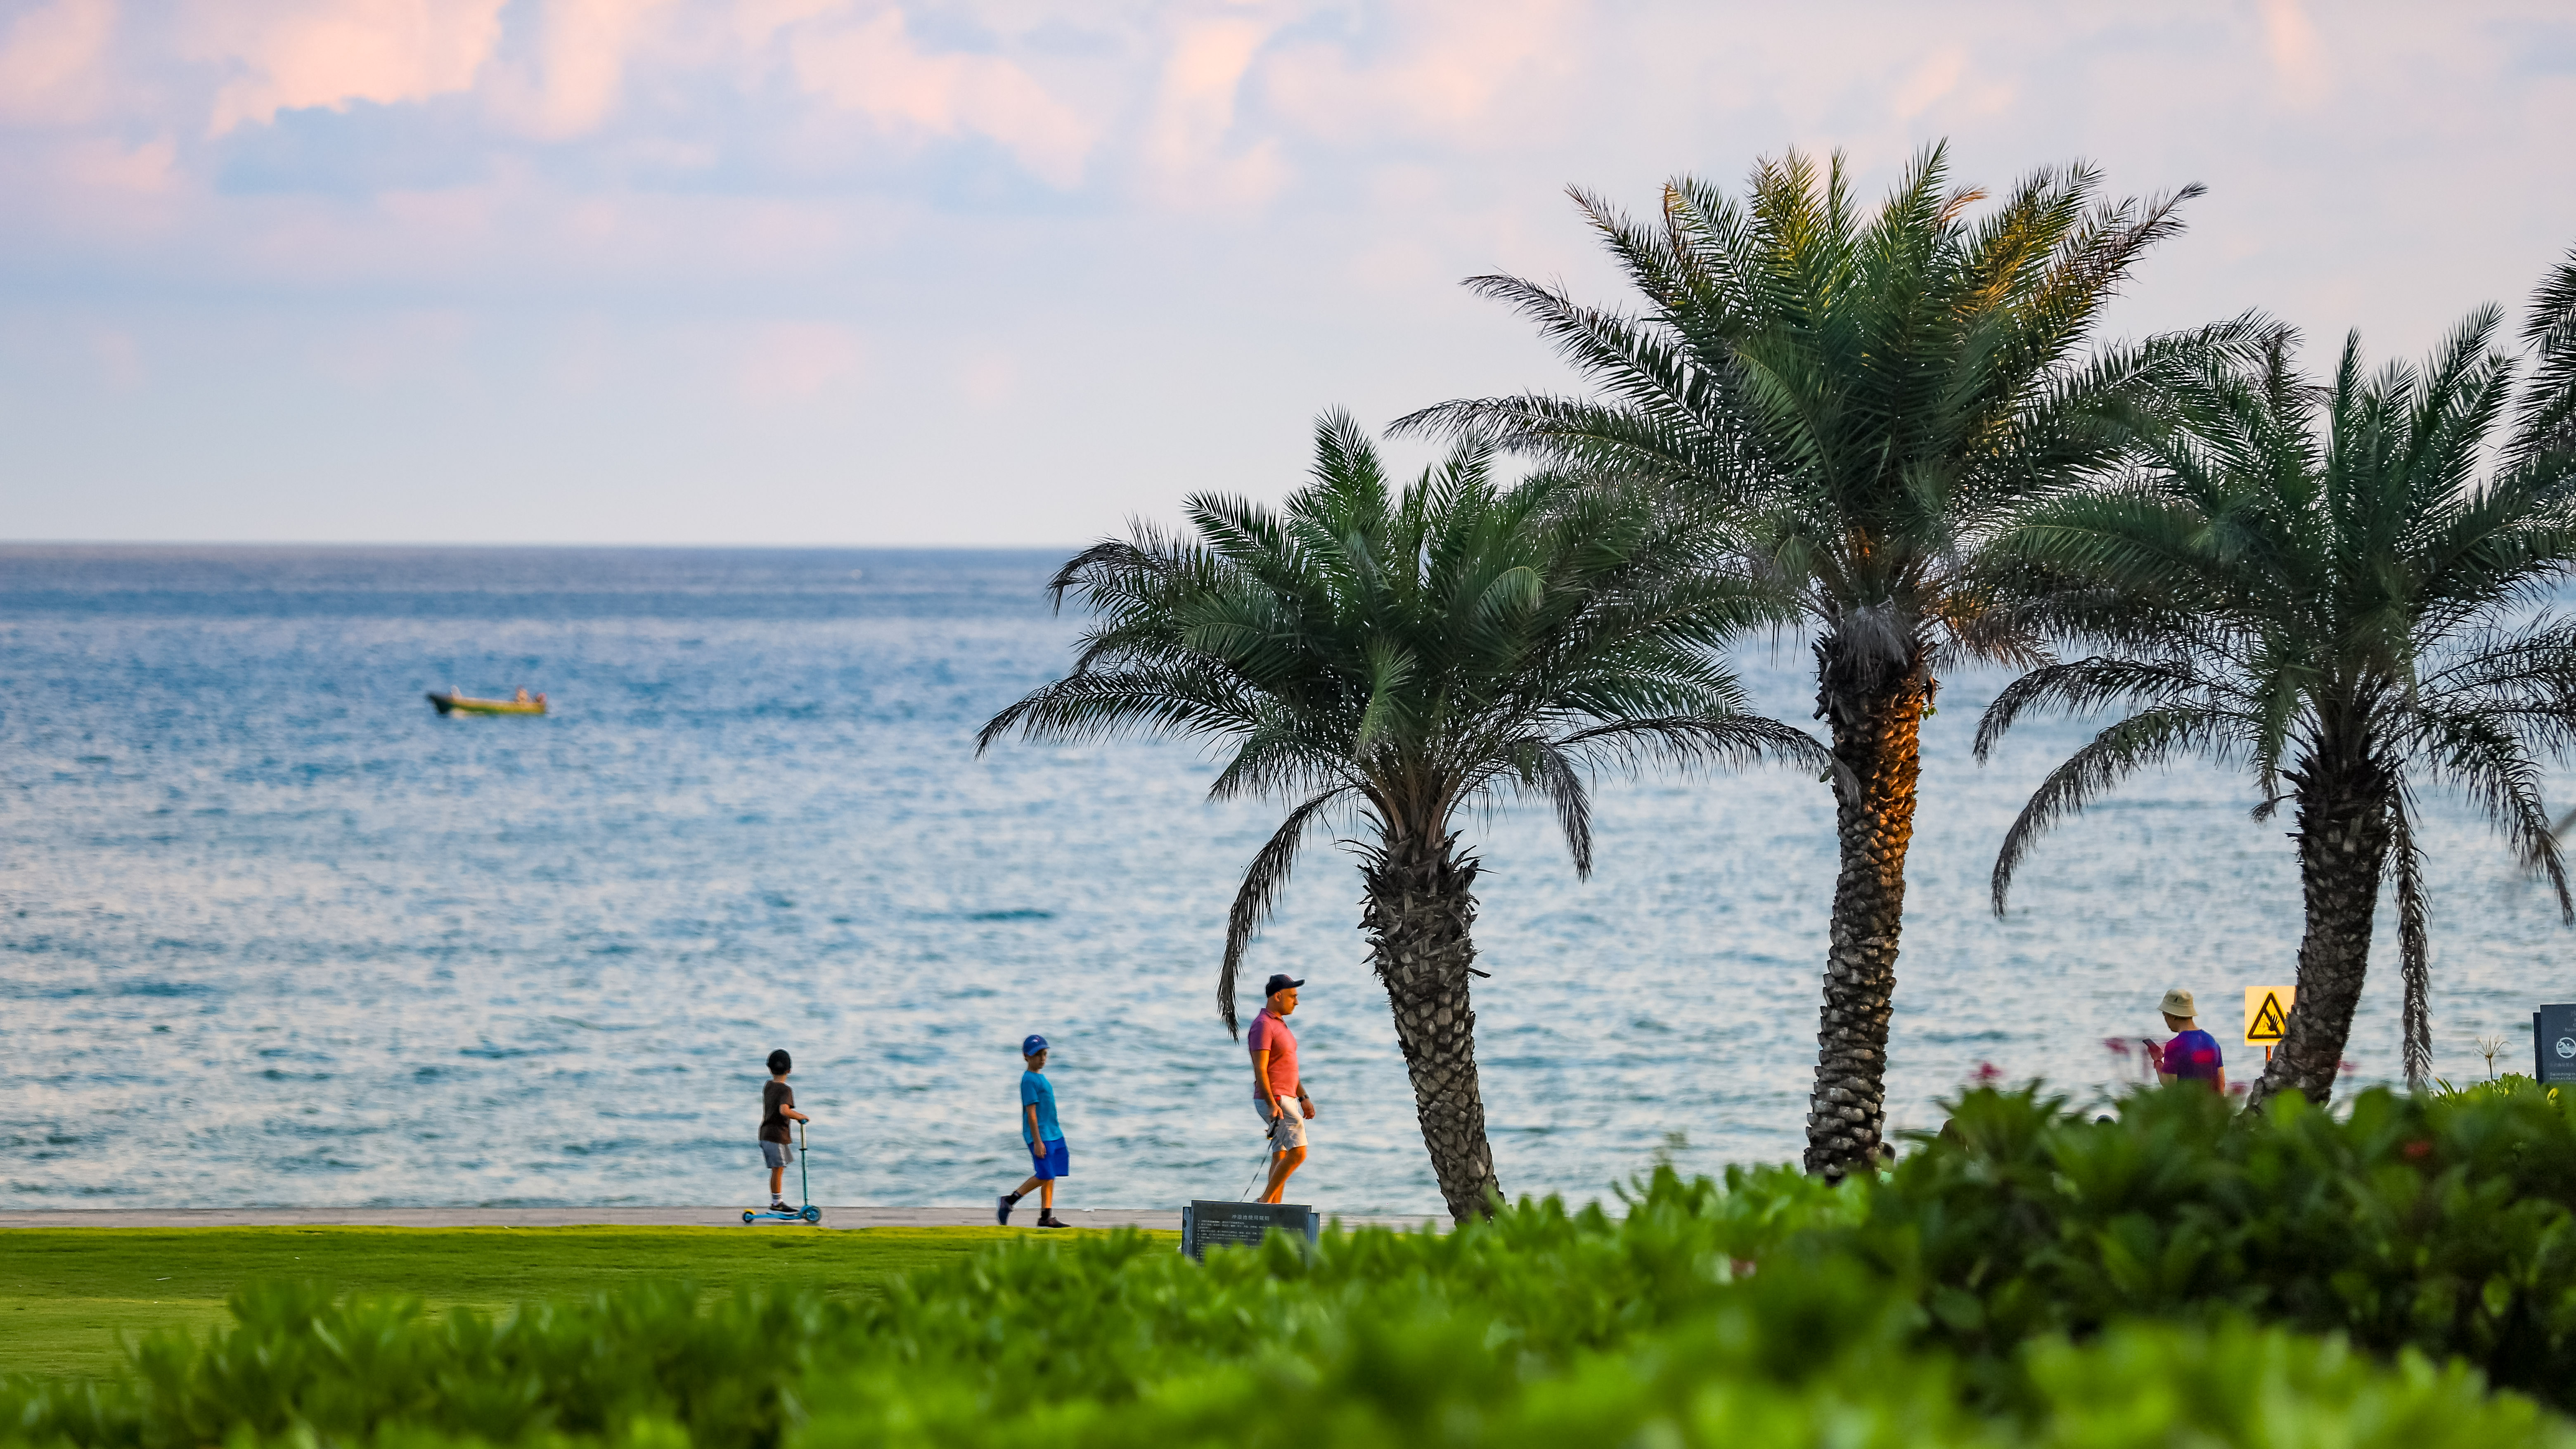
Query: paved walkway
x=621 y=1217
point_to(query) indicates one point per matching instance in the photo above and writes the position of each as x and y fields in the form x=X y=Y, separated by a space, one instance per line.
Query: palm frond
x=1185 y=699
x=2150 y=737
x=2545 y=421
x=2414 y=947
x=1728 y=741
x=1258 y=896
x=1551 y=773
x=2086 y=685
x=2481 y=753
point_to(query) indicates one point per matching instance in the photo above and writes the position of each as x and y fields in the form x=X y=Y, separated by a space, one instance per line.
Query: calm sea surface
x=272 y=932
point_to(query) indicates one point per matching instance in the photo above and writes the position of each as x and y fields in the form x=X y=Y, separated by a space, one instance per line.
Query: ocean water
x=272 y=932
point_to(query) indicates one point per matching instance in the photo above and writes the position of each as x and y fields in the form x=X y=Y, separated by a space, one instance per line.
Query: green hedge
x=2174 y=1277
x=2442 y=1223
x=1379 y=1341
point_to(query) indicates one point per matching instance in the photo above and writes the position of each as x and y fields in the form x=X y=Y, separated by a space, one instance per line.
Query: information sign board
x=1206 y=1224
x=2553 y=1040
x=2267 y=1014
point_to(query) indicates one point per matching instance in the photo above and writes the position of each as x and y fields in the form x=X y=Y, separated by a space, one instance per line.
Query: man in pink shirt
x=1276 y=1093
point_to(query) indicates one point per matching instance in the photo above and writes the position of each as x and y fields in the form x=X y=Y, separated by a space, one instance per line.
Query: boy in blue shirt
x=2192 y=1056
x=1047 y=1157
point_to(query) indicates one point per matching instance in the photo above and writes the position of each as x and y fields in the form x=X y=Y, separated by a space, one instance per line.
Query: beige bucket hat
x=2177 y=1002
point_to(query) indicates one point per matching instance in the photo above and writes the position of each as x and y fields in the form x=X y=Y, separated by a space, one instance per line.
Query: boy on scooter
x=777 y=1108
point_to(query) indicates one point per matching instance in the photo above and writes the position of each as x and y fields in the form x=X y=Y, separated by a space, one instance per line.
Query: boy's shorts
x=776 y=1154
x=1051 y=1161
x=1287 y=1125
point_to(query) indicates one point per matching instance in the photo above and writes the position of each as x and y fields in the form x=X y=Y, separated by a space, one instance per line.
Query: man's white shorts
x=1287 y=1124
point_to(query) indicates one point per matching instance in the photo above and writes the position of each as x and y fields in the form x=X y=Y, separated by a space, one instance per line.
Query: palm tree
x=1404 y=657
x=1859 y=396
x=2316 y=583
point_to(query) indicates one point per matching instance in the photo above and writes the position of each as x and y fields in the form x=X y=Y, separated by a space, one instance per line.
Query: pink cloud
x=581 y=71
x=795 y=361
x=2296 y=56
x=874 y=68
x=51 y=58
x=1449 y=71
x=289 y=54
x=1186 y=143
x=97 y=164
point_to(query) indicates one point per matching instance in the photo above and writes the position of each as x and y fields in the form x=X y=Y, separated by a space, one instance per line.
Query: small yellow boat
x=455 y=703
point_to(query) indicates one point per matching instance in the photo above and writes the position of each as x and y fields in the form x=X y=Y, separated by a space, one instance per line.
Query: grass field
x=68 y=1296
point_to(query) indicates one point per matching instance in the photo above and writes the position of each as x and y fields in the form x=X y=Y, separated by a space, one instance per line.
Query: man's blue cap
x=1034 y=1045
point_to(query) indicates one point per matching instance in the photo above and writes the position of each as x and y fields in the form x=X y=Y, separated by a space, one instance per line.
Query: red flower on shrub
x=1988 y=1074
x=2119 y=1045
x=2417 y=1151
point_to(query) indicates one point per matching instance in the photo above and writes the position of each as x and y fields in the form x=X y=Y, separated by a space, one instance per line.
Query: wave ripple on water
x=271 y=932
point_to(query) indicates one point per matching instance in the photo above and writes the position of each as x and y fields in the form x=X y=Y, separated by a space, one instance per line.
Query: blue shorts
x=1050 y=1161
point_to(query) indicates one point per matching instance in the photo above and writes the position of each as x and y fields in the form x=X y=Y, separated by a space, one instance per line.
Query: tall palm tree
x=2318 y=584
x=1405 y=656
x=1858 y=396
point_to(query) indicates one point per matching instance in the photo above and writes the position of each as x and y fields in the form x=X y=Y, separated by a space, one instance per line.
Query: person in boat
x=521 y=697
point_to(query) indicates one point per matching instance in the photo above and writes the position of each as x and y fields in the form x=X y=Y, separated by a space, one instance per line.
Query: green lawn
x=67 y=1295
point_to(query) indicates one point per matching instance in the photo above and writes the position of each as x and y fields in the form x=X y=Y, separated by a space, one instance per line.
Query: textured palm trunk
x=1877 y=719
x=2344 y=831
x=1420 y=913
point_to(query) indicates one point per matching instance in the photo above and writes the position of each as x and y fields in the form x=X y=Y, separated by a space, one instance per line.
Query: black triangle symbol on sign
x=2269 y=1025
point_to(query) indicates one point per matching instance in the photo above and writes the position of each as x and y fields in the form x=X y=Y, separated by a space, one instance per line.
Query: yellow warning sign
x=2267 y=1013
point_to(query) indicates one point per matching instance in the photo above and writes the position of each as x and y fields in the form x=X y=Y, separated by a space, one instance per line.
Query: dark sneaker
x=1002 y=1214
x=1049 y=1220
x=782 y=1207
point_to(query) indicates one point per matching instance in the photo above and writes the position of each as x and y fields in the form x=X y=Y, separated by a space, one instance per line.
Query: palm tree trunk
x=2344 y=833
x=1419 y=912
x=1876 y=710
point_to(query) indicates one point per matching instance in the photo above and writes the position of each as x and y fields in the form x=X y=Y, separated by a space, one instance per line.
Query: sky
x=1009 y=273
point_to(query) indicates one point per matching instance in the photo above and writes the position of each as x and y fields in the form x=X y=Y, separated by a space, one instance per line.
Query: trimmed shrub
x=1379 y=1341
x=299 y=1363
x=2169 y=1277
x=2445 y=1224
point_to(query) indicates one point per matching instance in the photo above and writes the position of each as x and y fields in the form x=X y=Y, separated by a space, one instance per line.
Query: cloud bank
x=991 y=271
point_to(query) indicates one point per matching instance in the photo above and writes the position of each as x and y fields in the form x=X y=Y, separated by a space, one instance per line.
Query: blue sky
x=835 y=271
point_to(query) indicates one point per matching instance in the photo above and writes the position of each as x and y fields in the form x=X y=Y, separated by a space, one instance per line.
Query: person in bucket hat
x=2192 y=1056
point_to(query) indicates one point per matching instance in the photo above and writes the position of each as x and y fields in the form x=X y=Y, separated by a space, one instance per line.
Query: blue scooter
x=804 y=1175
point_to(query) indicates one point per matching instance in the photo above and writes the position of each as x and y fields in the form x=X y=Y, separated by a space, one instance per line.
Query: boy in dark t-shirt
x=777 y=1109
